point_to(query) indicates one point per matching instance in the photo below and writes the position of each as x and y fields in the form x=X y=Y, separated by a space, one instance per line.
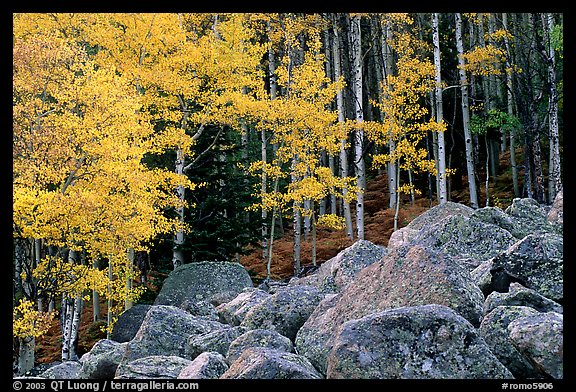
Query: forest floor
x=378 y=226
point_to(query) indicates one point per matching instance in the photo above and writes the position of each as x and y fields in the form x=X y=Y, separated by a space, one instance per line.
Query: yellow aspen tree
x=79 y=140
x=405 y=118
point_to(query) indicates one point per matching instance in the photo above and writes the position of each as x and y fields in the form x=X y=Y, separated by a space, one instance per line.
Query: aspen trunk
x=356 y=40
x=471 y=172
x=510 y=110
x=554 y=175
x=26 y=349
x=442 y=196
x=341 y=120
x=178 y=253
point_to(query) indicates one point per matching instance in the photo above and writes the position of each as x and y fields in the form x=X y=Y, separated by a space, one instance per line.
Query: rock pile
x=458 y=293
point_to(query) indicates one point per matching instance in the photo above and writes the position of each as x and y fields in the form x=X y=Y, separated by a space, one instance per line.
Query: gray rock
x=200 y=308
x=458 y=236
x=424 y=221
x=65 y=370
x=258 y=338
x=265 y=363
x=494 y=330
x=128 y=323
x=482 y=277
x=556 y=214
x=536 y=262
x=529 y=217
x=285 y=311
x=406 y=276
x=233 y=312
x=165 y=331
x=102 y=360
x=335 y=274
x=208 y=365
x=214 y=282
x=519 y=295
x=421 y=342
x=214 y=341
x=438 y=213
x=540 y=337
x=152 y=367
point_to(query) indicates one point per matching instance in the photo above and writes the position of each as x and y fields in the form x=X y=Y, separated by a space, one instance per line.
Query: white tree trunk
x=128 y=302
x=442 y=196
x=510 y=109
x=26 y=350
x=356 y=41
x=178 y=253
x=387 y=69
x=341 y=120
x=466 y=116
x=554 y=176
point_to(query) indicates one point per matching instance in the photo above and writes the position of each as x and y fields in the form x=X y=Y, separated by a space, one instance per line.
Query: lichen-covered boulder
x=406 y=276
x=128 y=323
x=420 y=342
x=200 y=308
x=540 y=337
x=213 y=341
x=494 y=330
x=234 y=311
x=468 y=241
x=215 y=282
x=529 y=218
x=102 y=360
x=536 y=262
x=482 y=277
x=335 y=274
x=65 y=370
x=519 y=295
x=258 y=338
x=556 y=214
x=165 y=331
x=426 y=220
x=266 y=363
x=285 y=311
x=208 y=365
x=152 y=367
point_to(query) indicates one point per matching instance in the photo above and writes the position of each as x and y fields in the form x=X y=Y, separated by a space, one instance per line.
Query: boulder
x=233 y=312
x=482 y=277
x=426 y=220
x=65 y=370
x=165 y=331
x=536 y=262
x=335 y=274
x=200 y=308
x=208 y=365
x=102 y=360
x=529 y=217
x=540 y=337
x=519 y=295
x=458 y=236
x=556 y=214
x=152 y=367
x=494 y=331
x=285 y=311
x=214 y=282
x=420 y=342
x=258 y=338
x=214 y=341
x=406 y=276
x=128 y=323
x=266 y=363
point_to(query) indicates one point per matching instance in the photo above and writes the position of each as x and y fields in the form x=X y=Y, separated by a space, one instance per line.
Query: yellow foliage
x=28 y=322
x=331 y=221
